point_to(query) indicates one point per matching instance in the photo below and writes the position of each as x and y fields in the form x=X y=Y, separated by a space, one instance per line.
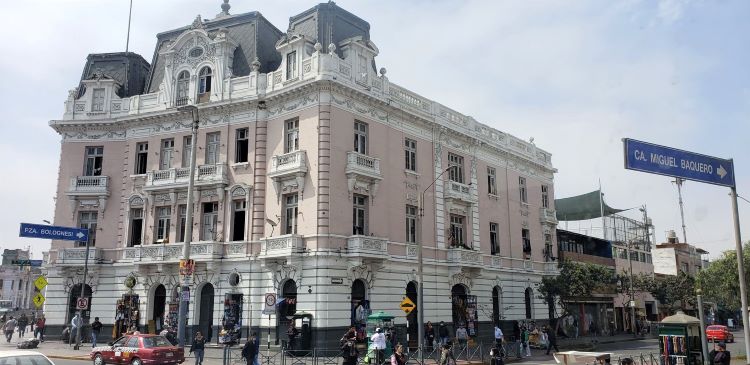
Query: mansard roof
x=328 y=23
x=255 y=36
x=128 y=69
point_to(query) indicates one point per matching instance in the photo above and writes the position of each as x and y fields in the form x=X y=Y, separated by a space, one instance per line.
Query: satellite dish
x=272 y=223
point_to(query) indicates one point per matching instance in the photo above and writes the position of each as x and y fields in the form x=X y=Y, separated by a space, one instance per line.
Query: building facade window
x=545 y=196
x=457 y=238
x=87 y=220
x=291 y=135
x=182 y=219
x=136 y=226
x=187 y=149
x=410 y=154
x=141 y=158
x=360 y=137
x=241 y=145
x=494 y=244
x=97 y=104
x=291 y=65
x=167 y=152
x=291 y=208
x=213 y=141
x=491 y=181
x=238 y=220
x=164 y=218
x=456 y=166
x=204 y=84
x=549 y=254
x=411 y=224
x=522 y=190
x=526 y=239
x=210 y=221
x=183 y=87
x=359 y=215
x=94 y=161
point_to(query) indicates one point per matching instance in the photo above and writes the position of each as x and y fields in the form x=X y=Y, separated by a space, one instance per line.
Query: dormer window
x=204 y=85
x=97 y=104
x=183 y=83
x=291 y=65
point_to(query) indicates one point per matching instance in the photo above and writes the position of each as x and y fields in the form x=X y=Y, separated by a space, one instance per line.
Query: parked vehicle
x=24 y=357
x=718 y=333
x=140 y=349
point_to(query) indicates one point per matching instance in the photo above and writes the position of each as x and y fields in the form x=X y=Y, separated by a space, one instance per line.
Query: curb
x=64 y=357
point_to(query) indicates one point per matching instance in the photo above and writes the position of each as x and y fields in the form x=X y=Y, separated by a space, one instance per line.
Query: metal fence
x=233 y=356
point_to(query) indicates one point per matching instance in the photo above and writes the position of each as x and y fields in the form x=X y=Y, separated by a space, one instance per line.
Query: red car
x=719 y=333
x=138 y=349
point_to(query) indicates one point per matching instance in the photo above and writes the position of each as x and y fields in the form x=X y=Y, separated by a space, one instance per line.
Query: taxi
x=138 y=349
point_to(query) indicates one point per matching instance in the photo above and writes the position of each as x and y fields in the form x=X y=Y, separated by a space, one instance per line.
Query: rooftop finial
x=225 y=7
x=197 y=23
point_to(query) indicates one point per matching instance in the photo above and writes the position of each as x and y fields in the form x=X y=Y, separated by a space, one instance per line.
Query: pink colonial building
x=310 y=168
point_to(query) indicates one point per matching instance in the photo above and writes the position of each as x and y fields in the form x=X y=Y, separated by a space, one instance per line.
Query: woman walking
x=198 y=345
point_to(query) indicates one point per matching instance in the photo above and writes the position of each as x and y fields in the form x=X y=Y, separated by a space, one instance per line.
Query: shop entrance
x=464 y=309
x=286 y=309
x=360 y=307
x=156 y=322
x=412 y=318
x=206 y=311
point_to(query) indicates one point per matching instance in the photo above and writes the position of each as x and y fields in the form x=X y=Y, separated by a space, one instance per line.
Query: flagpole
x=127 y=40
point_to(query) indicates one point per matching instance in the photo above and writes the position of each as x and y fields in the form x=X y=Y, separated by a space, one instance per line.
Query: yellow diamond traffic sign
x=38 y=300
x=40 y=282
x=407 y=305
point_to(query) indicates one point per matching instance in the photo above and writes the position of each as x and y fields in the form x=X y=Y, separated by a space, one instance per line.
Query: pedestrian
x=398 y=357
x=462 y=336
x=719 y=355
x=429 y=335
x=23 y=321
x=525 y=340
x=248 y=351
x=96 y=328
x=256 y=344
x=291 y=333
x=498 y=335
x=198 y=345
x=626 y=361
x=446 y=356
x=378 y=345
x=9 y=327
x=443 y=333
x=552 y=338
x=32 y=321
x=75 y=326
x=39 y=330
x=496 y=355
x=348 y=346
x=575 y=326
x=517 y=338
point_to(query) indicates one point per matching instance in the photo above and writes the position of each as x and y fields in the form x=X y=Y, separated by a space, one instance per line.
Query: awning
x=583 y=207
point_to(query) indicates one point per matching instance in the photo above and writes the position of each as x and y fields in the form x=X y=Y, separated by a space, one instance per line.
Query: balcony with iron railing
x=178 y=177
x=458 y=191
x=89 y=185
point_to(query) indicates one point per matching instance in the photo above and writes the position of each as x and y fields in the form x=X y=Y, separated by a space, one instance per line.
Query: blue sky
x=576 y=75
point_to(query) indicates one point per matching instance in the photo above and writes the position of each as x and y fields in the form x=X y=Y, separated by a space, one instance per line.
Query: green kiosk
x=680 y=340
x=383 y=321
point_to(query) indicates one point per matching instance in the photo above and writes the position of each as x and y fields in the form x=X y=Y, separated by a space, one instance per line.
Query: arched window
x=183 y=82
x=528 y=301
x=204 y=84
x=496 y=294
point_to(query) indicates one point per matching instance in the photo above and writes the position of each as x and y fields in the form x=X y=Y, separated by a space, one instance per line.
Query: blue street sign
x=655 y=159
x=32 y=263
x=53 y=232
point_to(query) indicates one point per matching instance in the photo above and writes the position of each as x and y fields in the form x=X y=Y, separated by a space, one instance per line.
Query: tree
x=576 y=280
x=672 y=291
x=719 y=282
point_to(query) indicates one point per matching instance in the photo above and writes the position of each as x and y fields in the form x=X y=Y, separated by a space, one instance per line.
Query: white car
x=22 y=357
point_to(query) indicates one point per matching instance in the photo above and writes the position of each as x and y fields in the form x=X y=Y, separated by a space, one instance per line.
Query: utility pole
x=679 y=182
x=741 y=272
x=83 y=291
x=185 y=292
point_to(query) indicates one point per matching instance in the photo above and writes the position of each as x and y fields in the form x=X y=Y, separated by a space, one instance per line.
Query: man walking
x=552 y=337
x=39 y=330
x=378 y=345
x=75 y=326
x=9 y=327
x=23 y=321
x=443 y=333
x=96 y=328
x=498 y=335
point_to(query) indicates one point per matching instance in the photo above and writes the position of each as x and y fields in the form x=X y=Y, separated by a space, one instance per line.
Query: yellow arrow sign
x=38 y=300
x=40 y=282
x=407 y=305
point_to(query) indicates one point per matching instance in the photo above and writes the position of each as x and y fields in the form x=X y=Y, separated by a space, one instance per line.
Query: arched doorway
x=496 y=304
x=75 y=293
x=360 y=307
x=458 y=299
x=206 y=311
x=412 y=318
x=286 y=308
x=158 y=303
x=528 y=296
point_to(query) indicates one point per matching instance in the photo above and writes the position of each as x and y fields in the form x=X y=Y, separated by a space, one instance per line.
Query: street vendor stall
x=680 y=341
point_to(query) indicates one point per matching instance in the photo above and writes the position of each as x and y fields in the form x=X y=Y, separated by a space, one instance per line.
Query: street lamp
x=185 y=292
x=420 y=276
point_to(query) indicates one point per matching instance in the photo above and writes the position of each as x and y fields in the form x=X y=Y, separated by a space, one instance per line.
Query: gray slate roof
x=328 y=23
x=127 y=68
